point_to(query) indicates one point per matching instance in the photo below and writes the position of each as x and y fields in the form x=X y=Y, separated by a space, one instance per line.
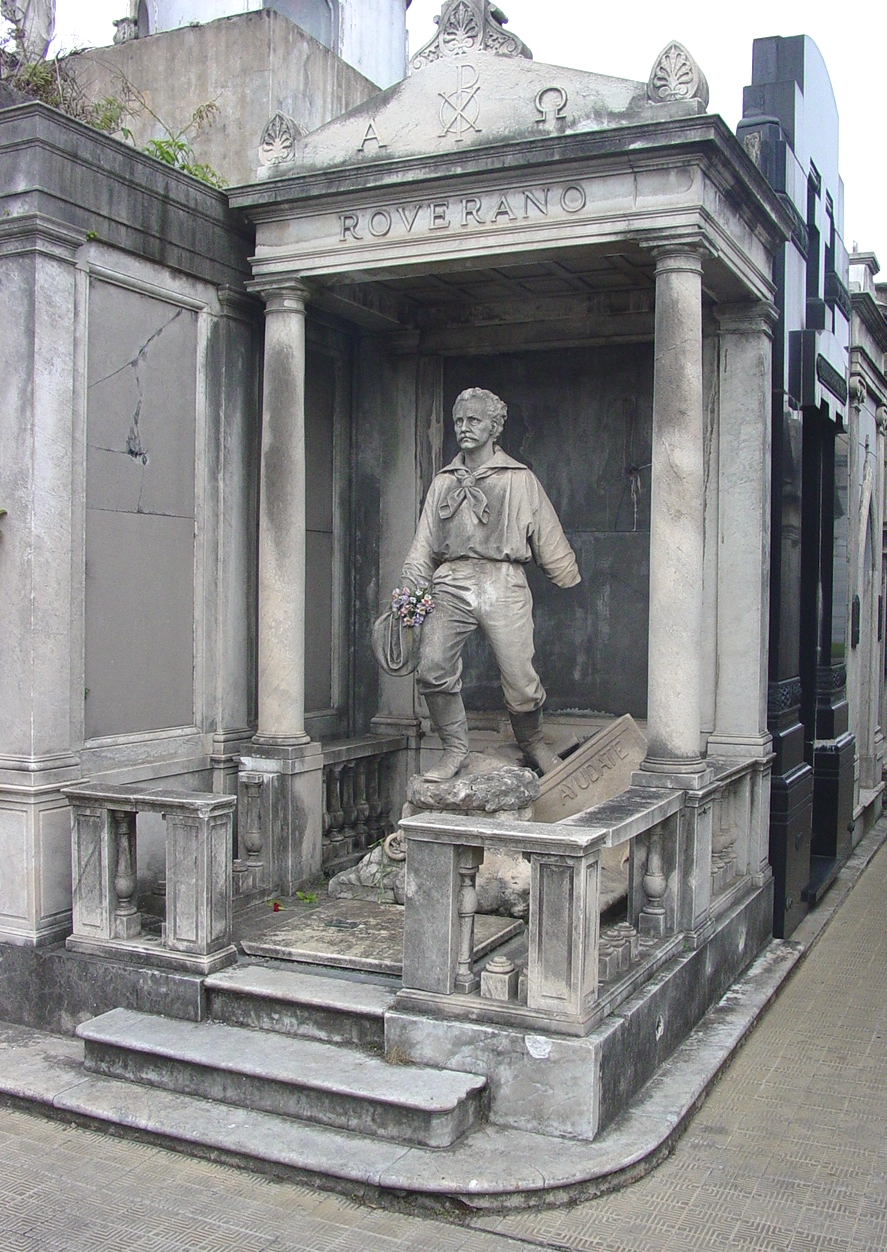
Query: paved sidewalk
x=789 y=1153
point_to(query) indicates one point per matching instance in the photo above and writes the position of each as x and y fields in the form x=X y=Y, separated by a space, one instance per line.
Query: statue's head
x=486 y=402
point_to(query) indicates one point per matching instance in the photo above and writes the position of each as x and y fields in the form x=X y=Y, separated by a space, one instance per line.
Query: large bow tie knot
x=465 y=488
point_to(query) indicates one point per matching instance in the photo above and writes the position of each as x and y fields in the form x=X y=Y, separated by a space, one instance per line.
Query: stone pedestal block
x=290 y=811
x=499 y=981
x=562 y=972
x=35 y=855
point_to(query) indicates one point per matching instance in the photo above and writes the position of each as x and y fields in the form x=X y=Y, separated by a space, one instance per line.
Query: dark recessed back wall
x=581 y=419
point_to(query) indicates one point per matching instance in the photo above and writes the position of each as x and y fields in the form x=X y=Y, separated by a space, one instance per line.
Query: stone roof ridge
x=465 y=26
x=481 y=98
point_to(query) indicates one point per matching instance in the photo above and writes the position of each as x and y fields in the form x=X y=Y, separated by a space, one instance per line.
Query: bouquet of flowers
x=412 y=607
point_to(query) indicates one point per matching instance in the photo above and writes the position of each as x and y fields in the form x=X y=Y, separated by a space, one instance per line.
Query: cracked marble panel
x=140 y=463
x=141 y=400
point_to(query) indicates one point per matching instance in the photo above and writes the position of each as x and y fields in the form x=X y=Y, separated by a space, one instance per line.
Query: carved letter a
x=372 y=133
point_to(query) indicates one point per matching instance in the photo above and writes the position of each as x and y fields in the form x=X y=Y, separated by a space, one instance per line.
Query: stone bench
x=196 y=935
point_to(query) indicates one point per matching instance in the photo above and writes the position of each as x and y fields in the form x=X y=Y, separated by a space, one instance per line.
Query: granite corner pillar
x=282 y=752
x=746 y=333
x=677 y=526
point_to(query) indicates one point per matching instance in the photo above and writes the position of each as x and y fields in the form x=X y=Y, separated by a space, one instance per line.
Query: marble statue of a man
x=485 y=517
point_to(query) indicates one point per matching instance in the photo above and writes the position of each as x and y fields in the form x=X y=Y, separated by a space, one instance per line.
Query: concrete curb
x=495 y=1169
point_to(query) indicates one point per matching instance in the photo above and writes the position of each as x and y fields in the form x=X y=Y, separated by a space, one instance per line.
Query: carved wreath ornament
x=676 y=76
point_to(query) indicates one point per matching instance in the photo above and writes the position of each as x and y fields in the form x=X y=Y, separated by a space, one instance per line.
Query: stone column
x=744 y=531
x=282 y=523
x=676 y=529
x=233 y=387
x=291 y=811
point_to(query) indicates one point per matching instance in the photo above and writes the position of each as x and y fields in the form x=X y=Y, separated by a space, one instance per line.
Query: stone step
x=312 y=1006
x=326 y=1083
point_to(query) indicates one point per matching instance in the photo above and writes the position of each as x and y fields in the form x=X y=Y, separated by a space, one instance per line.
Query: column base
x=290 y=810
x=145 y=951
x=749 y=747
x=688 y=774
x=263 y=742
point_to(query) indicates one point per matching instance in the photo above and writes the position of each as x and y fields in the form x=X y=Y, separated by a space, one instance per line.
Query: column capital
x=282 y=296
x=678 y=253
x=757 y=317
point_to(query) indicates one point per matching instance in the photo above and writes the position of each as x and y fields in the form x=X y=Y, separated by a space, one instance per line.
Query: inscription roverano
x=472 y=212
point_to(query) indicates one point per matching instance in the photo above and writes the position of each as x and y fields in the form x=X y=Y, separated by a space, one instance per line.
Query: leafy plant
x=53 y=81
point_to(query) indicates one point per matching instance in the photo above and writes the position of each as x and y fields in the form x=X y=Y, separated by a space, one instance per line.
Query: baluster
x=252 y=833
x=652 y=919
x=336 y=814
x=361 y=805
x=127 y=921
x=469 y=863
x=723 y=851
x=375 y=827
x=385 y=823
x=326 y=819
x=349 y=808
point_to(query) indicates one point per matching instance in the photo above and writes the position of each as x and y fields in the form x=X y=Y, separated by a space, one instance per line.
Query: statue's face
x=475 y=428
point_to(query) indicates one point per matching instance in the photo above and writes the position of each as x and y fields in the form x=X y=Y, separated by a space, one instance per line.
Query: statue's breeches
x=494 y=596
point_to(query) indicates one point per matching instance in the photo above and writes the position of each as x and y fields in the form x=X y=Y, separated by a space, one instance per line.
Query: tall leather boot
x=448 y=719
x=527 y=729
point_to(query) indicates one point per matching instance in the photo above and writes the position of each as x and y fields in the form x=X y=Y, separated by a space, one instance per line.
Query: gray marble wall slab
x=140 y=511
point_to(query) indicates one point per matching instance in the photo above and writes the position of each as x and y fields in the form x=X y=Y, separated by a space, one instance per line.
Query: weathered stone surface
x=376 y=877
x=287 y=1076
x=502 y=790
x=600 y=770
x=350 y=934
x=252 y=63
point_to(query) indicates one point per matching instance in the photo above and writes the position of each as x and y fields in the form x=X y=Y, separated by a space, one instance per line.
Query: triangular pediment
x=464 y=97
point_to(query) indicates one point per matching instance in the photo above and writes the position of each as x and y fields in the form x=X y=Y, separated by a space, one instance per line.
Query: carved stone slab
x=600 y=770
x=460 y=102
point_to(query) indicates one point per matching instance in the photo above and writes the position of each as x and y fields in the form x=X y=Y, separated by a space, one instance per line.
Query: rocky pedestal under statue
x=485 y=517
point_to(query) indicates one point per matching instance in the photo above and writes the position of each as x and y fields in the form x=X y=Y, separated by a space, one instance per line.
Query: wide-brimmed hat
x=396 y=645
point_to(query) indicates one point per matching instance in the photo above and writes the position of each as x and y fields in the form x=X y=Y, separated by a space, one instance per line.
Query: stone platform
x=493 y=1168
x=348 y=934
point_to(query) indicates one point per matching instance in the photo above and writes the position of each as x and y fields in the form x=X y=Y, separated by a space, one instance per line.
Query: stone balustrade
x=196 y=935
x=444 y=853
x=355 y=803
x=356 y=797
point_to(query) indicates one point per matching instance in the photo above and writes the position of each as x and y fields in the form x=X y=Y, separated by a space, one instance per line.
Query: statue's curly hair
x=496 y=408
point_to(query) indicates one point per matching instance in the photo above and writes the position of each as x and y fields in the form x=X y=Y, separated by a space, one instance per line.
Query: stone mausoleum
x=226 y=409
